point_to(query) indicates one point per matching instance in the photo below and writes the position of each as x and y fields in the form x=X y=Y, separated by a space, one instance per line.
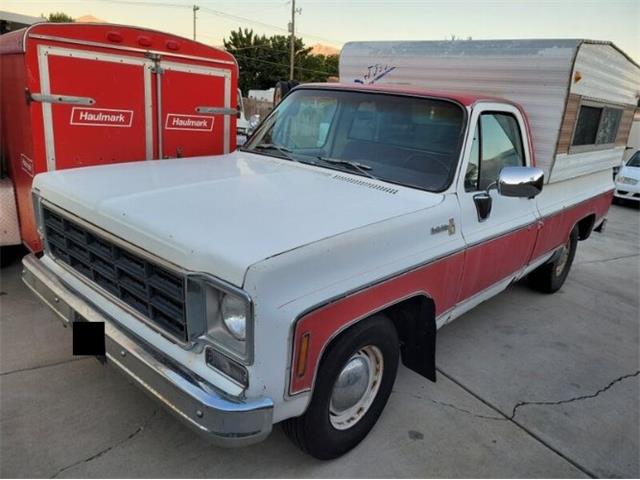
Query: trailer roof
x=108 y=35
x=466 y=99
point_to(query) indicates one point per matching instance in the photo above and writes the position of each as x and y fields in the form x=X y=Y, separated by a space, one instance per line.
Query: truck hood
x=222 y=214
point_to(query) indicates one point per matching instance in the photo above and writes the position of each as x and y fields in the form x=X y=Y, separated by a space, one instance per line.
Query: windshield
x=634 y=161
x=405 y=140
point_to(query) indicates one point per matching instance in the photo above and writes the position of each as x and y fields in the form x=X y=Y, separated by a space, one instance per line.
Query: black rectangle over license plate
x=88 y=337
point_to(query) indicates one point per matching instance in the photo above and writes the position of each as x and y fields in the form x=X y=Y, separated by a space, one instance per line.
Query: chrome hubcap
x=356 y=387
x=562 y=260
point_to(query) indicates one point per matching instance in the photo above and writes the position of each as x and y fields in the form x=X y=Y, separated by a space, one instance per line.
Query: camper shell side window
x=596 y=126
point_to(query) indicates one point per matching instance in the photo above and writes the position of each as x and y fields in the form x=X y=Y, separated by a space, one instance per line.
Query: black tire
x=314 y=432
x=549 y=277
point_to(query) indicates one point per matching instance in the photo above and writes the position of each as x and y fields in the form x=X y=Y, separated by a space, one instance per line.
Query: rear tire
x=333 y=425
x=549 y=277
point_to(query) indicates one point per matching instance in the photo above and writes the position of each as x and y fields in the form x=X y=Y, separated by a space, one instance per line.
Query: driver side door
x=499 y=242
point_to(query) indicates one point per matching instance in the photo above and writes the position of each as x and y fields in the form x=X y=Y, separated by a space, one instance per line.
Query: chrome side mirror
x=521 y=182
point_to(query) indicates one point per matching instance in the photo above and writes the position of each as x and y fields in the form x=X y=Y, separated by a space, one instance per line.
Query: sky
x=334 y=22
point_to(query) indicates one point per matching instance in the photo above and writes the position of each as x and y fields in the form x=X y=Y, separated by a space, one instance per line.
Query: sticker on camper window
x=375 y=72
x=176 y=121
x=101 y=117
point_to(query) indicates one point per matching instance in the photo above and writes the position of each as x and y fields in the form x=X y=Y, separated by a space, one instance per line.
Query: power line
x=217 y=13
x=267 y=25
x=147 y=4
x=284 y=65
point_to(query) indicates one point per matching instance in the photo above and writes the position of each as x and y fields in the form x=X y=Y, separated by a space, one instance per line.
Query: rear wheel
x=353 y=385
x=548 y=278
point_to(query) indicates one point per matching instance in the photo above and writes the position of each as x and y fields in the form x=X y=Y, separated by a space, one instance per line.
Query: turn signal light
x=303 y=354
x=223 y=364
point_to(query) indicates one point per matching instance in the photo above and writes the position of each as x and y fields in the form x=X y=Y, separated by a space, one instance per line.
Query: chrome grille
x=154 y=291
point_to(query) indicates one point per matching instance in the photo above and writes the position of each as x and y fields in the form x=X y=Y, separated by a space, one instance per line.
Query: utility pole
x=195 y=9
x=292 y=27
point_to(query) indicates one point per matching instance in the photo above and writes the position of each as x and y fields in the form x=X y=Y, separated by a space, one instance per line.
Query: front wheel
x=352 y=387
x=549 y=277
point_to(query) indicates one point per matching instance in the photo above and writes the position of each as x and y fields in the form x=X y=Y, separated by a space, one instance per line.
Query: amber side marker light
x=303 y=354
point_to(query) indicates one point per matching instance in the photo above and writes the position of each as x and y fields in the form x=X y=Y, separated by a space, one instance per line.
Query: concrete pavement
x=530 y=385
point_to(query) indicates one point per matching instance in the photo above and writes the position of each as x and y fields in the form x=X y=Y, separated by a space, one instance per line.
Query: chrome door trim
x=47 y=114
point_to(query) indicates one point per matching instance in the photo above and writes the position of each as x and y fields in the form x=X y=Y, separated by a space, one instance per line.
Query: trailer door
x=97 y=107
x=195 y=116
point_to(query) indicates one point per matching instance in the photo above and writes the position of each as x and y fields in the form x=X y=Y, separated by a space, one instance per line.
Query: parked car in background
x=628 y=180
x=633 y=144
x=285 y=281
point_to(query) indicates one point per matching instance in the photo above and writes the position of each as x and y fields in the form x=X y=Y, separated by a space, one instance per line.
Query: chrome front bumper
x=224 y=421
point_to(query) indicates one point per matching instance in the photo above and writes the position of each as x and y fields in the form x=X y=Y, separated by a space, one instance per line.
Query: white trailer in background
x=579 y=95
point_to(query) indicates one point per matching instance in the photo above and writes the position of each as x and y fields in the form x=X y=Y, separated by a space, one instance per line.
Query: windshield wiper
x=285 y=151
x=360 y=167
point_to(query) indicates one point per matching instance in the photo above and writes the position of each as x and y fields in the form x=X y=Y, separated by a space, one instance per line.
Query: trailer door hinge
x=55 y=98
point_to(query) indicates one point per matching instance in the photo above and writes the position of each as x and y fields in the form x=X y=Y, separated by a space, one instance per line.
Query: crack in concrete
x=38 y=367
x=109 y=448
x=450 y=405
x=608 y=259
x=573 y=399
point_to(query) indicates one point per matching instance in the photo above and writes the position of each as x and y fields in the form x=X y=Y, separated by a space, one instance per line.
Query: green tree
x=58 y=17
x=263 y=61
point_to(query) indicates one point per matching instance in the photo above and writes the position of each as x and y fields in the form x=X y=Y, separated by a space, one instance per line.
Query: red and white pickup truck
x=285 y=281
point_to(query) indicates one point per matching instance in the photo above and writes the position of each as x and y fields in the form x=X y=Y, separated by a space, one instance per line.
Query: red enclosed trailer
x=75 y=95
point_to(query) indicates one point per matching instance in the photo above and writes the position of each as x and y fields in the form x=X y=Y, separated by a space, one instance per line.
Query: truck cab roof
x=464 y=98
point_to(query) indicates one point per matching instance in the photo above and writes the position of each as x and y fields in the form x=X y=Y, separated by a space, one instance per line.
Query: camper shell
x=76 y=95
x=579 y=95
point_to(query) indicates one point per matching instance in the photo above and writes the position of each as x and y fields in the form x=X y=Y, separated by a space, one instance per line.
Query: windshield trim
x=462 y=135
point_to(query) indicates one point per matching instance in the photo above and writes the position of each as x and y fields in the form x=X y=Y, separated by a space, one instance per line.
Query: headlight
x=234 y=316
x=626 y=180
x=224 y=313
